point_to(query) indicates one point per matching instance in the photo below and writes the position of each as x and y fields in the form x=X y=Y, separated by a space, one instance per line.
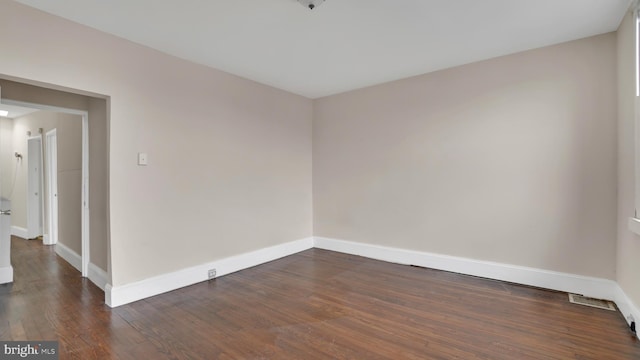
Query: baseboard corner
x=627 y=307
x=97 y=276
x=6 y=274
x=19 y=231
x=108 y=296
x=69 y=255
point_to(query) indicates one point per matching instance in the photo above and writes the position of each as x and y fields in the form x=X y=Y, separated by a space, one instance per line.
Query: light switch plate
x=142 y=159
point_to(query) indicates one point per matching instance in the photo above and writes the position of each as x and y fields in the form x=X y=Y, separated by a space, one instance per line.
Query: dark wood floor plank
x=313 y=305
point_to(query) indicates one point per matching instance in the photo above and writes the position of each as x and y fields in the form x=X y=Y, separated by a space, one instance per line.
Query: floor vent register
x=587 y=301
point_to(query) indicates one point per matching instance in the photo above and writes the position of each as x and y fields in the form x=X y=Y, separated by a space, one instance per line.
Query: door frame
x=85 y=253
x=51 y=172
x=35 y=227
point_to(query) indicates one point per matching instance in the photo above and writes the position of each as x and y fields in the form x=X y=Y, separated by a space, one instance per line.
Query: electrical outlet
x=211 y=274
x=632 y=323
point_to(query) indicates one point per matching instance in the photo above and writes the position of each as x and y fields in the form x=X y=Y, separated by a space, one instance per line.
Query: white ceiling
x=342 y=44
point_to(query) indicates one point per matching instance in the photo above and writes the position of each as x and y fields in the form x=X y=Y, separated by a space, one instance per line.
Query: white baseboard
x=578 y=284
x=584 y=285
x=97 y=276
x=69 y=256
x=6 y=274
x=19 y=232
x=94 y=273
x=571 y=283
x=627 y=308
x=120 y=295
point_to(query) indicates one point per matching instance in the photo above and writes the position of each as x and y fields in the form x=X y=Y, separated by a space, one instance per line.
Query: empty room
x=339 y=179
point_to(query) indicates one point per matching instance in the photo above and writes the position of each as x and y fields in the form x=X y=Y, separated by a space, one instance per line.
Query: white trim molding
x=98 y=276
x=69 y=255
x=578 y=284
x=19 y=231
x=627 y=307
x=95 y=274
x=571 y=283
x=6 y=274
x=124 y=294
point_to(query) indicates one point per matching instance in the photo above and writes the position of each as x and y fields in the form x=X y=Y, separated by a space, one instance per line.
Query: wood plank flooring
x=313 y=305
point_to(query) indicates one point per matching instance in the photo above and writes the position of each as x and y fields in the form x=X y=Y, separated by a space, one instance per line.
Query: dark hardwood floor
x=313 y=305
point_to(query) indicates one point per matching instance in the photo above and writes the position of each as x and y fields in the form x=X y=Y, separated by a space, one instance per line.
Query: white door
x=6 y=271
x=34 y=187
x=51 y=161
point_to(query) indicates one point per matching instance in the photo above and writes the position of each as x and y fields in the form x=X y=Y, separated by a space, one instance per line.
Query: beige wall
x=509 y=160
x=69 y=133
x=21 y=91
x=229 y=159
x=99 y=182
x=628 y=244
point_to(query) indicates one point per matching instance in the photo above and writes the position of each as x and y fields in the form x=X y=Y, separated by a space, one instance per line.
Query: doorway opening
x=43 y=169
x=35 y=193
x=90 y=253
x=51 y=168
